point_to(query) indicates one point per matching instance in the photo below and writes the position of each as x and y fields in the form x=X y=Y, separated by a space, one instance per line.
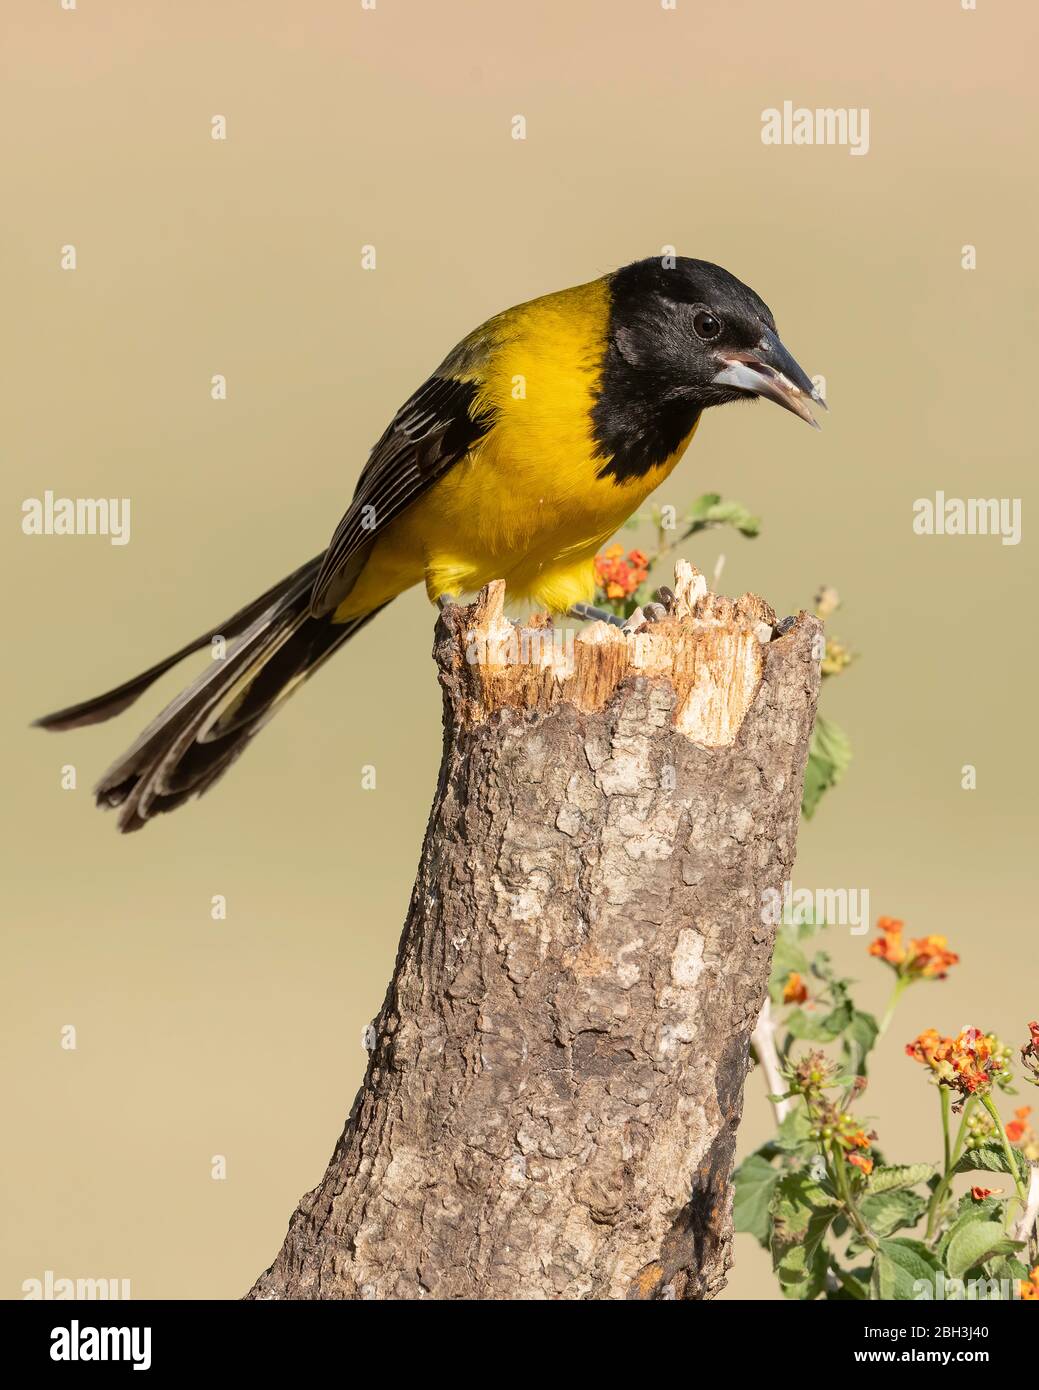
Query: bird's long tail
x=273 y=645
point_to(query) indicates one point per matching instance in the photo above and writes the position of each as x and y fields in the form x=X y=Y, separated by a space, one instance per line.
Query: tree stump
x=556 y=1075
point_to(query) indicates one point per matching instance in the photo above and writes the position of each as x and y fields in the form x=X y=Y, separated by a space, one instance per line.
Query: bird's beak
x=768 y=370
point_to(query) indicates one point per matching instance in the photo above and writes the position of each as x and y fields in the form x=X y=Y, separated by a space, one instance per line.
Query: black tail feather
x=113 y=702
x=277 y=645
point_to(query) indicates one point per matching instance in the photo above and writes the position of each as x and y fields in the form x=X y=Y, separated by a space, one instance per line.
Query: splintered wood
x=710 y=648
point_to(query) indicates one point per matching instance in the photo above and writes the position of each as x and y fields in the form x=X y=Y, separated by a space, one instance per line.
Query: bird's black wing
x=432 y=430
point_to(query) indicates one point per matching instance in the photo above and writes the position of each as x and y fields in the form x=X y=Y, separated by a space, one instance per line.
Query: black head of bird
x=686 y=335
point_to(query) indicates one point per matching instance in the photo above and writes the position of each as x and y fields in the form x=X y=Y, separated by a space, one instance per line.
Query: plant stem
x=1008 y=1153
x=951 y=1160
x=961 y=1133
x=900 y=984
x=944 y=1090
x=844 y=1189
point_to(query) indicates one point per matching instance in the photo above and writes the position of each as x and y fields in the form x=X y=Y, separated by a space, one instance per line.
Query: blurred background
x=391 y=127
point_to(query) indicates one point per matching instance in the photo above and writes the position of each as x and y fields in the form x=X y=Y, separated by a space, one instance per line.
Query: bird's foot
x=445 y=601
x=651 y=613
x=600 y=615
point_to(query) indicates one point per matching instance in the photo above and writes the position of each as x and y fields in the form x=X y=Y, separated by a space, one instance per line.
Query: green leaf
x=703 y=505
x=990 y=1158
x=801 y=1211
x=974 y=1243
x=888 y=1212
x=792 y=1134
x=755 y=1181
x=711 y=510
x=859 y=1037
x=901 y=1265
x=966 y=1212
x=829 y=754
x=895 y=1177
x=816 y=1028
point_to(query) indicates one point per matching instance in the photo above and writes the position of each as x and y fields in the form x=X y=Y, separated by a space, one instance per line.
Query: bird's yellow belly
x=491 y=517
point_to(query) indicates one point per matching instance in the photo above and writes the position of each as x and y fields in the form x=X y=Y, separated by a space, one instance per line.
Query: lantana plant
x=841 y=1220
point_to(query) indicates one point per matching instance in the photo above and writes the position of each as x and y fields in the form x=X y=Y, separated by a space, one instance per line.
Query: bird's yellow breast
x=527 y=503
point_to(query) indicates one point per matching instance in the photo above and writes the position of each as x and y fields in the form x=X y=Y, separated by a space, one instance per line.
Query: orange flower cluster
x=968 y=1063
x=978 y=1194
x=1030 y=1286
x=619 y=575
x=889 y=947
x=854 y=1140
x=921 y=958
x=795 y=991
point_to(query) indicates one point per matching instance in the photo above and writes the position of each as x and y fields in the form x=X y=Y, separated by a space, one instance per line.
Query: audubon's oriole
x=532 y=442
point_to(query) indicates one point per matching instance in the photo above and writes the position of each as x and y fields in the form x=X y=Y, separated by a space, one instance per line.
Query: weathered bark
x=556 y=1076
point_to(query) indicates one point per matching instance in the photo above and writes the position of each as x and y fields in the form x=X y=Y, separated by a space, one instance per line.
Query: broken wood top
x=710 y=648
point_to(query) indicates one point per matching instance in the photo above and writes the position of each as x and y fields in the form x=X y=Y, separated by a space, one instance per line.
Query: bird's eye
x=706 y=325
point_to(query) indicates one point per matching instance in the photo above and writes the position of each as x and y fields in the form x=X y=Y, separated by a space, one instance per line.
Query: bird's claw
x=599 y=615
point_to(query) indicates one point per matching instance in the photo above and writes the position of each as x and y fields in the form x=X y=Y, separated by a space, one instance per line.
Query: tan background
x=242 y=1037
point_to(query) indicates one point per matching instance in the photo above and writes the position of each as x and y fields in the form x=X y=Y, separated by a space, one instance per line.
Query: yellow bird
x=532 y=442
